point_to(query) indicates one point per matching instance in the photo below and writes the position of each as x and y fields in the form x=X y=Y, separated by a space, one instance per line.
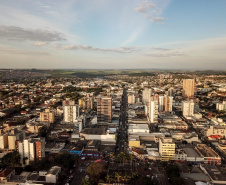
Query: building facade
x=104 y=109
x=188 y=87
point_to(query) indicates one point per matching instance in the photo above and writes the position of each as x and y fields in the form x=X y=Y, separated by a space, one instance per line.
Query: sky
x=113 y=34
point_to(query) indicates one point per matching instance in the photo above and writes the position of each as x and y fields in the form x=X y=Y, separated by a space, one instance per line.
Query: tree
x=86 y=181
x=97 y=170
x=11 y=159
x=118 y=176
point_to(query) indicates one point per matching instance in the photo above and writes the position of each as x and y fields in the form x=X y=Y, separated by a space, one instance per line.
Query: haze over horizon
x=110 y=34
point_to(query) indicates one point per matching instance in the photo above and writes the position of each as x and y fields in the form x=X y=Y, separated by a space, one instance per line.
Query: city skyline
x=107 y=34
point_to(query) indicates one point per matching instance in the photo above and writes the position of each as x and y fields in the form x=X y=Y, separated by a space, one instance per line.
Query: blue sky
x=113 y=34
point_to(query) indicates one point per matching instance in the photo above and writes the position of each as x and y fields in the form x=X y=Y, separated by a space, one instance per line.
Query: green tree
x=11 y=159
x=97 y=171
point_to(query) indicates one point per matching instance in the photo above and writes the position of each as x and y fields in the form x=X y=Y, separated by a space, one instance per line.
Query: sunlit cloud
x=21 y=34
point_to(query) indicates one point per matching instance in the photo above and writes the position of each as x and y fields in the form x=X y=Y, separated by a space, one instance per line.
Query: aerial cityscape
x=107 y=92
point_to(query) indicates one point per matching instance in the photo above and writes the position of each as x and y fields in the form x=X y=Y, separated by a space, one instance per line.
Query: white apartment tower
x=152 y=110
x=146 y=95
x=188 y=108
x=71 y=113
x=31 y=149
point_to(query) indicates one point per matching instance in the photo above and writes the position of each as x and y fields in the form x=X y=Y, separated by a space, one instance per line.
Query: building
x=188 y=108
x=71 y=113
x=104 y=109
x=215 y=130
x=47 y=116
x=165 y=103
x=32 y=149
x=209 y=155
x=188 y=87
x=152 y=110
x=221 y=106
x=68 y=101
x=167 y=149
x=3 y=140
x=146 y=94
x=14 y=136
x=131 y=99
x=86 y=103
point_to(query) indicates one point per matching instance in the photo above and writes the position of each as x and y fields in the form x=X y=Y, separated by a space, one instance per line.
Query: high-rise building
x=166 y=149
x=68 y=101
x=221 y=106
x=14 y=136
x=152 y=110
x=32 y=149
x=165 y=103
x=3 y=140
x=188 y=108
x=71 y=113
x=146 y=94
x=47 y=116
x=104 y=109
x=131 y=99
x=188 y=87
x=86 y=103
x=171 y=91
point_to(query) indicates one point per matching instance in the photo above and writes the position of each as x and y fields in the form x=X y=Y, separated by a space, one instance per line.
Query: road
x=122 y=132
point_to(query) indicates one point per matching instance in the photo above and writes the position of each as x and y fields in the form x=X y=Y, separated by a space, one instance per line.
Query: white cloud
x=141 y=9
x=39 y=44
x=157 y=19
x=91 y=48
x=21 y=52
x=21 y=34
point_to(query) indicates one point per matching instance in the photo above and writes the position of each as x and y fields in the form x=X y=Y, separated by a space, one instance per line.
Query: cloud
x=143 y=7
x=39 y=44
x=162 y=52
x=91 y=48
x=22 y=52
x=157 y=19
x=21 y=34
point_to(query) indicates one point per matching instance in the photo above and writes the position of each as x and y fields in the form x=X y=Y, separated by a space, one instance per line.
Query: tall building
x=165 y=103
x=146 y=94
x=104 y=109
x=86 y=103
x=152 y=110
x=131 y=99
x=68 y=101
x=14 y=136
x=71 y=113
x=3 y=140
x=47 y=116
x=221 y=106
x=188 y=108
x=188 y=87
x=32 y=149
x=166 y=149
x=171 y=91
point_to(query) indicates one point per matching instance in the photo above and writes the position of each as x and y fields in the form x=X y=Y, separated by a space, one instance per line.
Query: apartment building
x=47 y=116
x=167 y=149
x=165 y=103
x=188 y=87
x=104 y=109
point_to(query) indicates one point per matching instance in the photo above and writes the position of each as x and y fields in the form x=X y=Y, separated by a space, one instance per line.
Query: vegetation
x=174 y=174
x=11 y=159
x=97 y=171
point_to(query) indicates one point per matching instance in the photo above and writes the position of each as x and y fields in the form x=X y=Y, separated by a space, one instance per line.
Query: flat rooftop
x=94 y=131
x=191 y=152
